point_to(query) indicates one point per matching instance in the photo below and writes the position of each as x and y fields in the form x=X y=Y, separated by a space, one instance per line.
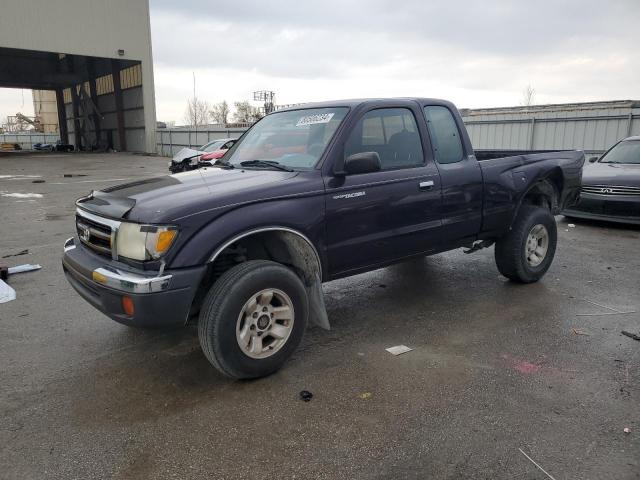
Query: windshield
x=294 y=138
x=624 y=152
x=213 y=146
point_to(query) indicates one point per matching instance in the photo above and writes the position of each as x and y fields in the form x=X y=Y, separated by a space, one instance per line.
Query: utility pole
x=194 y=106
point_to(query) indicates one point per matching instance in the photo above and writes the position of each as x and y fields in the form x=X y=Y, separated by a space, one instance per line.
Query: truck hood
x=614 y=174
x=167 y=198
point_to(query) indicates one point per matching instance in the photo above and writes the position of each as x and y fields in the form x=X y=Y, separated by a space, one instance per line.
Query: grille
x=611 y=190
x=95 y=235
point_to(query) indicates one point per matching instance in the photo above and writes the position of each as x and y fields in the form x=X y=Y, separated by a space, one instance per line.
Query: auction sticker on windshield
x=313 y=119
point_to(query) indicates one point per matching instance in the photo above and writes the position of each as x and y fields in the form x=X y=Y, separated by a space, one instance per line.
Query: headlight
x=144 y=242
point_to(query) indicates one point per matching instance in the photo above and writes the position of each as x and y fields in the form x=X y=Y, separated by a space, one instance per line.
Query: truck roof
x=356 y=102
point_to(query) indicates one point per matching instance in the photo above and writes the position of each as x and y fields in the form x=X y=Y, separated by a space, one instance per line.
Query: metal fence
x=170 y=141
x=591 y=127
x=27 y=140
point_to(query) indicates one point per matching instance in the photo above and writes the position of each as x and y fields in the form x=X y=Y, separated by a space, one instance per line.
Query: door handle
x=428 y=185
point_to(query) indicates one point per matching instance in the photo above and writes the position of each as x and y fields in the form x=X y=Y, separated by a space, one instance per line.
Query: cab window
x=444 y=133
x=390 y=132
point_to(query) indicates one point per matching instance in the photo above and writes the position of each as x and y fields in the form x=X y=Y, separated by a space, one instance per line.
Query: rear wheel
x=253 y=319
x=525 y=253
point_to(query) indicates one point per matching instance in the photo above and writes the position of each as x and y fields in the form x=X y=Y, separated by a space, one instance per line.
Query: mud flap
x=317 y=309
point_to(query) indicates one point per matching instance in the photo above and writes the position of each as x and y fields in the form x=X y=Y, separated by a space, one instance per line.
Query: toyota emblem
x=85 y=233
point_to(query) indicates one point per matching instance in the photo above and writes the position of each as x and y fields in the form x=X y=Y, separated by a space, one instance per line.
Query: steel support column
x=62 y=116
x=94 y=98
x=117 y=93
x=77 y=130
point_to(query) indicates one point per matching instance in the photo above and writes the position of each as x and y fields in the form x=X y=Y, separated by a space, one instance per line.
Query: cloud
x=475 y=53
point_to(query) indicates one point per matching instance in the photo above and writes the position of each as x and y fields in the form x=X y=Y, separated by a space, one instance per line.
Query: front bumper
x=158 y=300
x=620 y=209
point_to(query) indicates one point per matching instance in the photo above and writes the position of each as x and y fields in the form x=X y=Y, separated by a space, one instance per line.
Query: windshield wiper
x=265 y=163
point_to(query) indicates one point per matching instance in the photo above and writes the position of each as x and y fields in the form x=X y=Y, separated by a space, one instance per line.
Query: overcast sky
x=475 y=53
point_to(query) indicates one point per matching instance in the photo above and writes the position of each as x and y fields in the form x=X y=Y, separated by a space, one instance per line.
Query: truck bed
x=491 y=154
x=509 y=174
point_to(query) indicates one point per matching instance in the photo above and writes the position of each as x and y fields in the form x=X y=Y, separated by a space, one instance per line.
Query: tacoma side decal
x=349 y=195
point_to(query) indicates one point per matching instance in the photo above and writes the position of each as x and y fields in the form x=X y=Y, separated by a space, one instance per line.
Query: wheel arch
x=544 y=192
x=278 y=243
x=276 y=228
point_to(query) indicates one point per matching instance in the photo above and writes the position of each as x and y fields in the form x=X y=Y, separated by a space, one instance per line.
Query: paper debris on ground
x=6 y=293
x=21 y=195
x=398 y=349
x=577 y=331
x=27 y=267
x=571 y=225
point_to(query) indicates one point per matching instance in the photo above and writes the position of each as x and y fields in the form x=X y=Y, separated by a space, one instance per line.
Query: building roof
x=553 y=107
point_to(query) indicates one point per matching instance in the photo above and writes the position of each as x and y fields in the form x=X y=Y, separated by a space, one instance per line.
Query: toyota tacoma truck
x=308 y=195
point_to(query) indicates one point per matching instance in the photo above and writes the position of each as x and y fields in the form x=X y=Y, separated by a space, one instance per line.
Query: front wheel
x=253 y=319
x=525 y=253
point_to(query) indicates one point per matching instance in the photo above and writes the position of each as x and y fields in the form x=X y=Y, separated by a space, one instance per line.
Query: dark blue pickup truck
x=308 y=195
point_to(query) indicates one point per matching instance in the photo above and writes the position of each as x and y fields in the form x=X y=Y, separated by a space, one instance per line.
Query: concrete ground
x=496 y=367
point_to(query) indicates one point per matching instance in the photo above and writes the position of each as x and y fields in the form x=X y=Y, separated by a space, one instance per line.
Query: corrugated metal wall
x=133 y=103
x=591 y=127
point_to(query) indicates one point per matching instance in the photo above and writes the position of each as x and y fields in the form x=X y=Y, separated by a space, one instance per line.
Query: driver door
x=378 y=217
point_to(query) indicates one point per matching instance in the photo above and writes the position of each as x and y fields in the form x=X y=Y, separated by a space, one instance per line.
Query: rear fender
x=542 y=192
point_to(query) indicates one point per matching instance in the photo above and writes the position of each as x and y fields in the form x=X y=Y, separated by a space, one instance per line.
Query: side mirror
x=593 y=159
x=363 y=162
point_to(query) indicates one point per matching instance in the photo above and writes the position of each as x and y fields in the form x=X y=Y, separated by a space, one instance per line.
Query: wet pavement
x=496 y=367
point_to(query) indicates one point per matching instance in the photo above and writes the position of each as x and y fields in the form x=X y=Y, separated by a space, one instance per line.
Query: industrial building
x=95 y=58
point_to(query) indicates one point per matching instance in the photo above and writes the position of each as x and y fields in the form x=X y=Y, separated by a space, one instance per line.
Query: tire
x=226 y=316
x=516 y=257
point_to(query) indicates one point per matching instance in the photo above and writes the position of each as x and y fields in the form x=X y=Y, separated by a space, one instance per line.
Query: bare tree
x=220 y=112
x=246 y=113
x=528 y=96
x=197 y=112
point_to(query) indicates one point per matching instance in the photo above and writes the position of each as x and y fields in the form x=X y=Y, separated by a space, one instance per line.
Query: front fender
x=301 y=214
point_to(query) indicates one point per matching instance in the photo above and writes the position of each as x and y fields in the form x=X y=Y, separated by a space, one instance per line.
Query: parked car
x=217 y=154
x=308 y=195
x=611 y=185
x=190 y=159
x=59 y=146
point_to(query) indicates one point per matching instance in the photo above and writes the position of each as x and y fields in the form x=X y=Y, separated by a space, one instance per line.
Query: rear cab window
x=445 y=136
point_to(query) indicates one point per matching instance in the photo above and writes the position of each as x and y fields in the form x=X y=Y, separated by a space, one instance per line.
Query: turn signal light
x=127 y=306
x=165 y=239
